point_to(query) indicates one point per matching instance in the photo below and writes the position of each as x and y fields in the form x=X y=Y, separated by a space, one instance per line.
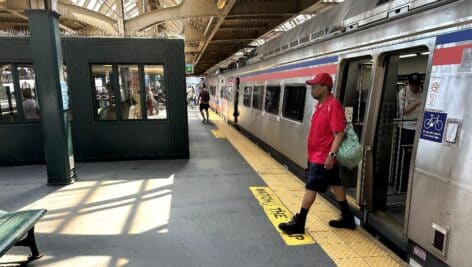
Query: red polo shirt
x=327 y=119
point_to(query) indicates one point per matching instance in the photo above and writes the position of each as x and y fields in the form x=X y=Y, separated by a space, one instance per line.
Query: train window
x=247 y=96
x=294 y=102
x=155 y=92
x=213 y=90
x=28 y=92
x=130 y=92
x=105 y=99
x=272 y=99
x=8 y=112
x=257 y=97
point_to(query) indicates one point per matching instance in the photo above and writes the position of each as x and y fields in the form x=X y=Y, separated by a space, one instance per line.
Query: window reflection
x=130 y=92
x=29 y=93
x=7 y=95
x=155 y=92
x=104 y=97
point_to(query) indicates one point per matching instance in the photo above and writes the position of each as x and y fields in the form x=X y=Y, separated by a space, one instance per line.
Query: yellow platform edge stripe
x=278 y=213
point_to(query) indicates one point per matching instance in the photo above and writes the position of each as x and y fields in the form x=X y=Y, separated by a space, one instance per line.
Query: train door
x=354 y=94
x=398 y=111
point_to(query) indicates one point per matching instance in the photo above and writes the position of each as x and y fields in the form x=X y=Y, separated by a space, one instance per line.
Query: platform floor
x=196 y=212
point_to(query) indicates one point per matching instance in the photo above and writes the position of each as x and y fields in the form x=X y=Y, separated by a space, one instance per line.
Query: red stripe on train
x=449 y=55
x=307 y=72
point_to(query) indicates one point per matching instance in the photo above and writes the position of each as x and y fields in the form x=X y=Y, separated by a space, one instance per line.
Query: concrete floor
x=196 y=212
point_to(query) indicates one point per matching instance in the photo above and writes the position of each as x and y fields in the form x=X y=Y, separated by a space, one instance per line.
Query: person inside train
x=409 y=101
x=325 y=137
x=204 y=101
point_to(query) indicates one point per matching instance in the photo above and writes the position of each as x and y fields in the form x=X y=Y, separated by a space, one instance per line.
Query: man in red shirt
x=325 y=136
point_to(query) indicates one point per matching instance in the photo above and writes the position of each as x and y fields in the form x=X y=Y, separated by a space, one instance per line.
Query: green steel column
x=53 y=95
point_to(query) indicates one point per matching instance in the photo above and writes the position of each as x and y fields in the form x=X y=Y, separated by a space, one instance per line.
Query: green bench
x=17 y=229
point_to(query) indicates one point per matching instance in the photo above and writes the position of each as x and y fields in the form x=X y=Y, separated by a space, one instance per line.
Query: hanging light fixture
x=221 y=4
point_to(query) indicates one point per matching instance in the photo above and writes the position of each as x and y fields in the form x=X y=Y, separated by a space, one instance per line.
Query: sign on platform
x=189 y=68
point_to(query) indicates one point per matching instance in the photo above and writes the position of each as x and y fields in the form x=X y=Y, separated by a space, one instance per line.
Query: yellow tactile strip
x=217 y=134
x=345 y=247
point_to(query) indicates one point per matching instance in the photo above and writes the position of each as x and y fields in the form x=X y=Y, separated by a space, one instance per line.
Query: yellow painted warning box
x=217 y=134
x=278 y=213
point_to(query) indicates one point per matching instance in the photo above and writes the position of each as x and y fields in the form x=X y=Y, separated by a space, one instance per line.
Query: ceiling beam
x=187 y=9
x=226 y=10
x=88 y=16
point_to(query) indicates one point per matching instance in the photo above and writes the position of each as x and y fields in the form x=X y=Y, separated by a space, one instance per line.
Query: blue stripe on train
x=295 y=66
x=454 y=37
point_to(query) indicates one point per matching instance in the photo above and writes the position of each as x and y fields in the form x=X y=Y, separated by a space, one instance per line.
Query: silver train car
x=416 y=197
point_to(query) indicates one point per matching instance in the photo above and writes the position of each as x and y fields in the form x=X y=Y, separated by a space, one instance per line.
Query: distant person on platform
x=325 y=137
x=204 y=101
x=30 y=106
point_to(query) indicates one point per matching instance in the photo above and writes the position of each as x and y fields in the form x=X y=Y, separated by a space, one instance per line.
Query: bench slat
x=15 y=225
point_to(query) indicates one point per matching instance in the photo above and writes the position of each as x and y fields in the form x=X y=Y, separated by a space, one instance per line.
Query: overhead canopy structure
x=213 y=29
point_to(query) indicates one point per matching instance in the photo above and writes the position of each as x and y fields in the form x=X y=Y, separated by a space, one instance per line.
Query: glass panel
x=294 y=102
x=29 y=93
x=7 y=95
x=105 y=99
x=257 y=97
x=130 y=92
x=272 y=99
x=247 y=96
x=155 y=92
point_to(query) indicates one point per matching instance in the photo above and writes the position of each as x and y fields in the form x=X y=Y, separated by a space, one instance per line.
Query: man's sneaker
x=345 y=222
x=295 y=226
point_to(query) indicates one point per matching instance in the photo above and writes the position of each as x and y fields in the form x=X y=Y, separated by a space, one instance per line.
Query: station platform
x=211 y=210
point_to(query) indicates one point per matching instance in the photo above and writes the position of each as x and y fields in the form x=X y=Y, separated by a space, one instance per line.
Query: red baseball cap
x=321 y=78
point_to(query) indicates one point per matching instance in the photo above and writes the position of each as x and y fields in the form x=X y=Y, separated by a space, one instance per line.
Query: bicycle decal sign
x=433 y=125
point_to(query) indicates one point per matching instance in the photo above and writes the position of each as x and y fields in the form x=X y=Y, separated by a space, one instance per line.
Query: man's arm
x=404 y=108
x=338 y=139
x=412 y=106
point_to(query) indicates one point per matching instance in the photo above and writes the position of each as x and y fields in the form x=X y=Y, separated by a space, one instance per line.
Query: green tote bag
x=350 y=152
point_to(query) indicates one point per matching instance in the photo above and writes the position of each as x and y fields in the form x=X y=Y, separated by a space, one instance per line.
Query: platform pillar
x=53 y=95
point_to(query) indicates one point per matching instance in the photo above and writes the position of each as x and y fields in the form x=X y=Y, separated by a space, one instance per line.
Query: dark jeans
x=407 y=139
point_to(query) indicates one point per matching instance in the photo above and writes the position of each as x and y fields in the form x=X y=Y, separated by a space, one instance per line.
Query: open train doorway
x=397 y=120
x=354 y=93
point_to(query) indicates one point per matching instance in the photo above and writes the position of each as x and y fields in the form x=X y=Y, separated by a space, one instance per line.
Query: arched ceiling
x=213 y=29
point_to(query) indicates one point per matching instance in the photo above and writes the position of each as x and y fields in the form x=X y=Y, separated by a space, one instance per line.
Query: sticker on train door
x=433 y=125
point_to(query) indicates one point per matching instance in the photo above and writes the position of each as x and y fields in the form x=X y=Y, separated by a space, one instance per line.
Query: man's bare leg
x=208 y=115
x=203 y=115
x=308 y=199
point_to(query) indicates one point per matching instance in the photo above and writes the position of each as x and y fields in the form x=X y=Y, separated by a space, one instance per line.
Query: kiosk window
x=294 y=102
x=272 y=99
x=29 y=93
x=105 y=99
x=247 y=96
x=8 y=112
x=130 y=92
x=155 y=92
x=257 y=97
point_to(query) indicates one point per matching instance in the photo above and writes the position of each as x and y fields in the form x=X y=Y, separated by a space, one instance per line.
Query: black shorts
x=204 y=107
x=319 y=178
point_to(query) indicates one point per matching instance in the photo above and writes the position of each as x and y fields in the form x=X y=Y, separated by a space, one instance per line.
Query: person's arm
x=337 y=122
x=404 y=108
x=338 y=139
x=412 y=106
